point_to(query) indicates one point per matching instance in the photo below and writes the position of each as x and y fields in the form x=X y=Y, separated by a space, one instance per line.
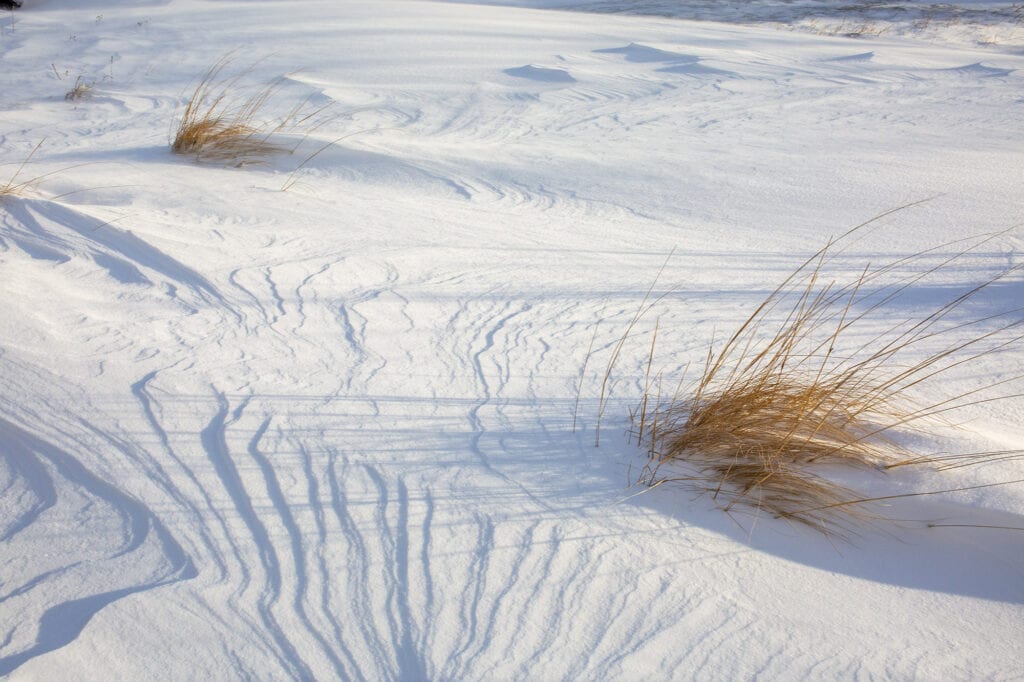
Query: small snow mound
x=541 y=74
x=675 y=62
x=694 y=69
x=643 y=54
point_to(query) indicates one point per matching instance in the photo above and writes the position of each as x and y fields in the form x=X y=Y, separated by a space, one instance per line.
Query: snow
x=328 y=432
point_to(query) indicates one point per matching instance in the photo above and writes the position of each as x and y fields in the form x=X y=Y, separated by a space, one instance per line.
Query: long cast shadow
x=118 y=251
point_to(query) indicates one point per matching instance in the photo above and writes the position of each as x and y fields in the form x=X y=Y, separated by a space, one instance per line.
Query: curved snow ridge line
x=482 y=185
x=327 y=575
x=469 y=627
x=145 y=555
x=313 y=299
x=353 y=327
x=168 y=479
x=496 y=619
x=611 y=640
x=27 y=490
x=408 y=659
x=267 y=314
x=498 y=190
x=266 y=309
x=308 y=280
x=212 y=526
x=487 y=334
x=399 y=639
x=354 y=312
x=214 y=442
x=463 y=123
x=278 y=302
x=297 y=550
x=300 y=298
x=506 y=593
x=381 y=600
x=387 y=169
x=557 y=601
x=470 y=608
x=487 y=331
x=358 y=581
x=533 y=597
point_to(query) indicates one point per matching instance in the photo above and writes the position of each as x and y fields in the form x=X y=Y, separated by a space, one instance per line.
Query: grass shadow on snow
x=942 y=547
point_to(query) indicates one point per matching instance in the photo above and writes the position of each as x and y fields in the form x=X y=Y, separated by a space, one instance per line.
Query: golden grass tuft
x=803 y=389
x=219 y=125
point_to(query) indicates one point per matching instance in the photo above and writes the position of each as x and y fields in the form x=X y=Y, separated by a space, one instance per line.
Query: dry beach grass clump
x=812 y=383
x=223 y=124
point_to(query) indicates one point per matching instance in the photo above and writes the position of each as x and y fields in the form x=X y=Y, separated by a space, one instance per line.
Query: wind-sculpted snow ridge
x=346 y=430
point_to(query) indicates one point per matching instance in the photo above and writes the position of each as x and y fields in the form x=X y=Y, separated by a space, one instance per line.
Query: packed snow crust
x=333 y=416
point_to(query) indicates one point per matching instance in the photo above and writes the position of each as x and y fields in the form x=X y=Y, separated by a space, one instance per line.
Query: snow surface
x=328 y=432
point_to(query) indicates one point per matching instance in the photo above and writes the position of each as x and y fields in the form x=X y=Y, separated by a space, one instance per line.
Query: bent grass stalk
x=583 y=370
x=15 y=188
x=293 y=176
x=641 y=310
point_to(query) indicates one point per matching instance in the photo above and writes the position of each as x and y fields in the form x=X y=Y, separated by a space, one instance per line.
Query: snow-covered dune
x=333 y=415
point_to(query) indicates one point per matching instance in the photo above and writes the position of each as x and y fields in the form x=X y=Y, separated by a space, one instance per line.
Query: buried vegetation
x=809 y=385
